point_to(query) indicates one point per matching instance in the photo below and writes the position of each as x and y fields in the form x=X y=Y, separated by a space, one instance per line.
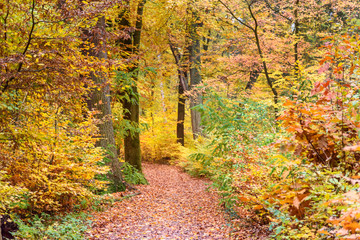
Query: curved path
x=174 y=206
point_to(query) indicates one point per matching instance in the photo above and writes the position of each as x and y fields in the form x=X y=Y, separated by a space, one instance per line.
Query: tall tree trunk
x=180 y=130
x=183 y=86
x=131 y=106
x=195 y=76
x=99 y=100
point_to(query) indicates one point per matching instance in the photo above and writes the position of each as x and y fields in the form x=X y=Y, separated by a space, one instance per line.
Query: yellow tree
x=47 y=142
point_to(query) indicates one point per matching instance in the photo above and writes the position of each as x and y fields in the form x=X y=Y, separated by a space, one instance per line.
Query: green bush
x=235 y=129
x=132 y=175
x=69 y=227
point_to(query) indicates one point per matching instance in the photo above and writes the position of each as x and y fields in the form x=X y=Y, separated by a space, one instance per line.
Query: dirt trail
x=173 y=206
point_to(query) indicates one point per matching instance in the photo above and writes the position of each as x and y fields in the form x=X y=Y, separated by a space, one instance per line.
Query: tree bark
x=183 y=86
x=195 y=76
x=254 y=74
x=180 y=129
x=131 y=105
x=99 y=100
x=296 y=45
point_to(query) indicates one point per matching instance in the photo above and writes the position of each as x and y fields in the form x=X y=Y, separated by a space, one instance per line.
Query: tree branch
x=237 y=19
x=5 y=21
x=310 y=143
x=276 y=11
x=26 y=47
x=177 y=57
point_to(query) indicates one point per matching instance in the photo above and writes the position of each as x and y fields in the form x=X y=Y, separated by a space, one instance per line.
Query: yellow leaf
x=258 y=207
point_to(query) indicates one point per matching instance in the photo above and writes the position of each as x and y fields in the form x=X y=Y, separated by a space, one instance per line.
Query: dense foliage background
x=260 y=96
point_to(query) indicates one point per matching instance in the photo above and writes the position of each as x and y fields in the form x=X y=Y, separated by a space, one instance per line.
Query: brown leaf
x=296 y=202
x=353 y=226
x=323 y=144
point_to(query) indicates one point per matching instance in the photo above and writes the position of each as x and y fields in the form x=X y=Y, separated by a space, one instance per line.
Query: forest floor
x=173 y=206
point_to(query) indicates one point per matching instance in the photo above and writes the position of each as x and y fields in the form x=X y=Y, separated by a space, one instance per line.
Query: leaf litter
x=173 y=206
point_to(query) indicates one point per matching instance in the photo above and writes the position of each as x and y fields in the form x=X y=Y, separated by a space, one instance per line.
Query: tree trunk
x=296 y=45
x=131 y=106
x=183 y=86
x=254 y=74
x=195 y=76
x=266 y=72
x=132 y=140
x=180 y=130
x=99 y=100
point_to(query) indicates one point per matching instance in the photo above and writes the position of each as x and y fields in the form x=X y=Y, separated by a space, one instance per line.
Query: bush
x=132 y=175
x=53 y=158
x=237 y=131
x=69 y=227
x=158 y=144
x=10 y=196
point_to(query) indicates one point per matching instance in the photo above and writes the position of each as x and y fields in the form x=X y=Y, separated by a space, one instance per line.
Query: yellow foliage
x=9 y=195
x=159 y=144
x=52 y=156
x=47 y=145
x=158 y=139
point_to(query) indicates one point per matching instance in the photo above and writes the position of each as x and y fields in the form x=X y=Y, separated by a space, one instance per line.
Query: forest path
x=173 y=206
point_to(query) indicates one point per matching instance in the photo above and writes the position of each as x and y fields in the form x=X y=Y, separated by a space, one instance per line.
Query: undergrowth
x=44 y=226
x=303 y=182
x=132 y=175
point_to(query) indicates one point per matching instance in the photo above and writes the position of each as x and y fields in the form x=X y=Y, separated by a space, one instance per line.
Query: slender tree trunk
x=131 y=106
x=163 y=100
x=296 y=45
x=180 y=130
x=267 y=75
x=183 y=86
x=254 y=29
x=195 y=76
x=206 y=41
x=254 y=74
x=99 y=100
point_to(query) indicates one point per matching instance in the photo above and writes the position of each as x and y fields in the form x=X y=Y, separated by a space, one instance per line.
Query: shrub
x=68 y=227
x=10 y=196
x=158 y=144
x=52 y=157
